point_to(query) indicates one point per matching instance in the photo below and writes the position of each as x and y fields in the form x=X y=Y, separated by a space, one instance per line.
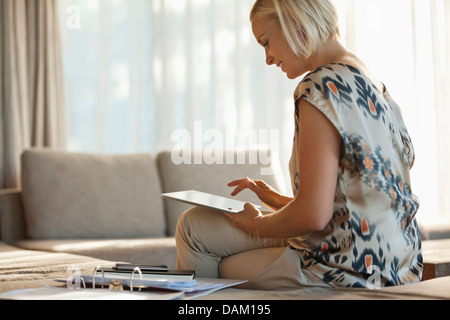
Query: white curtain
x=407 y=44
x=139 y=70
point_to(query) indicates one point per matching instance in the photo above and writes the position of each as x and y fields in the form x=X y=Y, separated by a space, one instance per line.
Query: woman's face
x=269 y=34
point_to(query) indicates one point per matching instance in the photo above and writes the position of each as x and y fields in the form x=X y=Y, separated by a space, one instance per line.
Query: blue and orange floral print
x=373 y=231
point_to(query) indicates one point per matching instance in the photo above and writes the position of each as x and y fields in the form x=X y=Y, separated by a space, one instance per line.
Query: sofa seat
x=29 y=269
x=80 y=210
x=436 y=254
x=26 y=269
x=437 y=289
x=154 y=251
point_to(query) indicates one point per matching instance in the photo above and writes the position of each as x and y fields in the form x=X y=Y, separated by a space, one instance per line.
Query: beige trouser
x=209 y=244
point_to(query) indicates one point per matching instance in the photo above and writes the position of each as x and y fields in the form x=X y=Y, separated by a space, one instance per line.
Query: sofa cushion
x=78 y=196
x=436 y=289
x=198 y=174
x=12 y=223
x=23 y=269
x=151 y=251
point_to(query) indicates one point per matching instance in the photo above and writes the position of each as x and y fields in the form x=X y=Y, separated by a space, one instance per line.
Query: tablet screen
x=207 y=200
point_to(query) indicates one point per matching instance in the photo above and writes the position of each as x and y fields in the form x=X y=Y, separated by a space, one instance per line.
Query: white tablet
x=207 y=200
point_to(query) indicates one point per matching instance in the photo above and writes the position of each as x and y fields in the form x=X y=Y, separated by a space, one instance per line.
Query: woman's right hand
x=269 y=196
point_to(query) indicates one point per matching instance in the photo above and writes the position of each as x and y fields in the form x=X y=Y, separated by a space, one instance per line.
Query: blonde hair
x=306 y=24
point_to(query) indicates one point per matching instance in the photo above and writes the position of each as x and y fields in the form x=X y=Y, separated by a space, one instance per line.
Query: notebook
x=207 y=200
x=157 y=275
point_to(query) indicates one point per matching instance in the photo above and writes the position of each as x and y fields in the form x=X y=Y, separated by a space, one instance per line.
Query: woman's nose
x=269 y=60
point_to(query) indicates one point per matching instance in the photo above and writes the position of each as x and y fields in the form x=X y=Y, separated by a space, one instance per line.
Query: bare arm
x=269 y=196
x=312 y=209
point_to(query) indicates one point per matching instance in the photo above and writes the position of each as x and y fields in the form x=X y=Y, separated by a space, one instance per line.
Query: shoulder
x=328 y=81
x=335 y=70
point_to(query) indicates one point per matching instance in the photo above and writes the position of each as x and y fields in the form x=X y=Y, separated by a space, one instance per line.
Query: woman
x=352 y=221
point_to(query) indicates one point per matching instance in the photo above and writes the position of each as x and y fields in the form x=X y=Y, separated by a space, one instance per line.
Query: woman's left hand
x=246 y=220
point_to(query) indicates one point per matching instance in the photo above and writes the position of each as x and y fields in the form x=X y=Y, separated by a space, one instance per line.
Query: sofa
x=84 y=210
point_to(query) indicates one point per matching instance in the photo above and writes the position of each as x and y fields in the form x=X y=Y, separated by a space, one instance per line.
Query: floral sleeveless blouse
x=373 y=236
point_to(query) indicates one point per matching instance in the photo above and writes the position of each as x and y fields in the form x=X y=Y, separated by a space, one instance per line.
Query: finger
x=252 y=185
x=235 y=183
x=241 y=185
x=229 y=215
x=246 y=184
x=261 y=184
x=249 y=207
x=237 y=190
x=238 y=182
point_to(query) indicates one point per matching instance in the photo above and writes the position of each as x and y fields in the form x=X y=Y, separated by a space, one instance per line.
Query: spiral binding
x=100 y=269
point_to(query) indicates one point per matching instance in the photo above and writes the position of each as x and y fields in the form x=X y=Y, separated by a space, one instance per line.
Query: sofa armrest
x=12 y=221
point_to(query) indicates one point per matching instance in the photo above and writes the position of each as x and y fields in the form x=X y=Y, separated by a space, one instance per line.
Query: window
x=137 y=70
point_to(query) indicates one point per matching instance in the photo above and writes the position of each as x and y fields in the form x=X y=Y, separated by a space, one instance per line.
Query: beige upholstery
x=84 y=210
x=22 y=269
x=437 y=289
x=110 y=207
x=73 y=196
x=152 y=251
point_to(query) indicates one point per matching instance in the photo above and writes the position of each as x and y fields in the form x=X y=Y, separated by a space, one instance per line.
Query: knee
x=200 y=221
x=192 y=221
x=187 y=219
x=183 y=224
